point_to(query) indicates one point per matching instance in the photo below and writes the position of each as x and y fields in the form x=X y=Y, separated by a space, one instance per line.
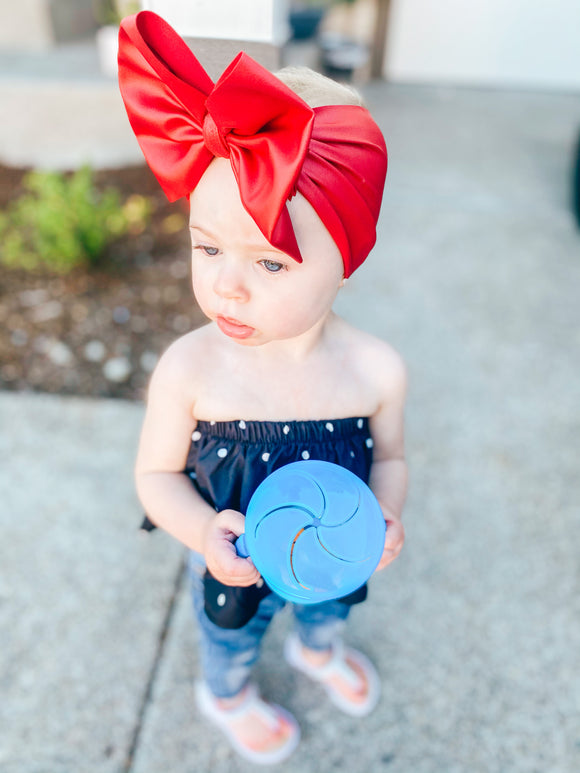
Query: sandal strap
x=338 y=666
x=251 y=703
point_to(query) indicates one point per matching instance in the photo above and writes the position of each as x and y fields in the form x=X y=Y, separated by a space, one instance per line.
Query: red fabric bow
x=335 y=156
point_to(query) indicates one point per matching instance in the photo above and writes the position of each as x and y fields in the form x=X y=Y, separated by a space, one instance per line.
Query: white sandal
x=270 y=713
x=338 y=666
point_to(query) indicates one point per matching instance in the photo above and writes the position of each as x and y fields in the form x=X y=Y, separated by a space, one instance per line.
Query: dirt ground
x=99 y=332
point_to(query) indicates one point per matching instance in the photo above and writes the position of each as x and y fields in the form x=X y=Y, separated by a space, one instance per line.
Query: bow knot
x=213 y=140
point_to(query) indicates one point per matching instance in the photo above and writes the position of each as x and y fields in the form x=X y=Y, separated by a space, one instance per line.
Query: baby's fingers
x=394 y=540
x=221 y=556
x=395 y=536
x=229 y=568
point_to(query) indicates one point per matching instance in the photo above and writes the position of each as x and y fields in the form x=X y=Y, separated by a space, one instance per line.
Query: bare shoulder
x=181 y=364
x=382 y=376
x=376 y=360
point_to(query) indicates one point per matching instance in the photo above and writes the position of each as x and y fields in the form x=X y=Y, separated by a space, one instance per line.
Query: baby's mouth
x=233 y=328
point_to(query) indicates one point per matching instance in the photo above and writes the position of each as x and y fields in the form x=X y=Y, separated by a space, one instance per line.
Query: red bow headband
x=334 y=156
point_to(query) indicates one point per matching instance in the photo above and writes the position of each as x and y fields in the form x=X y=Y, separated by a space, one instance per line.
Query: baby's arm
x=388 y=476
x=168 y=496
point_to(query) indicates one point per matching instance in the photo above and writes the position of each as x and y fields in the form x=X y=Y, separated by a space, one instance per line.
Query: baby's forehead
x=216 y=187
x=216 y=208
x=216 y=203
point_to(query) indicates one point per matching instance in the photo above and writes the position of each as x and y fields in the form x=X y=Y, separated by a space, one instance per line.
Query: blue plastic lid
x=314 y=530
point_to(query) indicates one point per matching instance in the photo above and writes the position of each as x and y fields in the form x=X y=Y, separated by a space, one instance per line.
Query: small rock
x=36 y=374
x=79 y=312
x=103 y=315
x=171 y=294
x=16 y=322
x=41 y=344
x=19 y=338
x=59 y=353
x=95 y=351
x=123 y=349
x=148 y=361
x=72 y=379
x=47 y=311
x=181 y=323
x=151 y=295
x=121 y=315
x=9 y=372
x=138 y=324
x=179 y=269
x=33 y=297
x=117 y=369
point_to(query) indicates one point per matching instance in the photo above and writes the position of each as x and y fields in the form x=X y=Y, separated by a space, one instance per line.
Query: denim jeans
x=227 y=656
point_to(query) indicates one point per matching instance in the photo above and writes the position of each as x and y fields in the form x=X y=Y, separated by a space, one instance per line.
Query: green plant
x=62 y=222
x=112 y=11
x=298 y=4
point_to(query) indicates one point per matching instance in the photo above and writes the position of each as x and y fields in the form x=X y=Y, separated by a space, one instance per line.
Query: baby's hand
x=220 y=552
x=394 y=539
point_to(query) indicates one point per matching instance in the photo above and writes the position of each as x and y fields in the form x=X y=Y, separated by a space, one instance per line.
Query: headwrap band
x=334 y=156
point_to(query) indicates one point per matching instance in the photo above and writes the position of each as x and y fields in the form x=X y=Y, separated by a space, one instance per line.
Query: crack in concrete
x=150 y=685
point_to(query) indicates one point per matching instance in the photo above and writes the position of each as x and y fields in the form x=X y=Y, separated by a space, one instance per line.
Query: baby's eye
x=272 y=266
x=207 y=250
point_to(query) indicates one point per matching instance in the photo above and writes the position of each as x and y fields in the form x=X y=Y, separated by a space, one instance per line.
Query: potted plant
x=108 y=14
x=305 y=17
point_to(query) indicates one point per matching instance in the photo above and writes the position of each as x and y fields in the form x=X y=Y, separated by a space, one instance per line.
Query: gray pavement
x=475 y=630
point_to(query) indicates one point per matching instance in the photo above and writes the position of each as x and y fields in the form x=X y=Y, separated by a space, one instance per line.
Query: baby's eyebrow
x=203 y=230
x=266 y=247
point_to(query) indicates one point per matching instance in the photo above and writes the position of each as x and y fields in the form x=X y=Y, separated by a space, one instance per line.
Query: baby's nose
x=230 y=283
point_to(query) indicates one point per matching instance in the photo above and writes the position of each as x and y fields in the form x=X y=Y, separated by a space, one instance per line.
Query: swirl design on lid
x=315 y=531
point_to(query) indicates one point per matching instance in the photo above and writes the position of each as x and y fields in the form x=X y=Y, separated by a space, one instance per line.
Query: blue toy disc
x=315 y=531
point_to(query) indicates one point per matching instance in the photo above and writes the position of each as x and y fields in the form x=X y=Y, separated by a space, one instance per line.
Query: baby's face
x=254 y=292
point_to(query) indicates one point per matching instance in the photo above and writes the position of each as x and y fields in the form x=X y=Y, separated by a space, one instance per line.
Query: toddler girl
x=284 y=182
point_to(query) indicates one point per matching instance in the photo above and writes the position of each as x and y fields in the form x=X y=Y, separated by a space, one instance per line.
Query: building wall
x=517 y=43
x=36 y=25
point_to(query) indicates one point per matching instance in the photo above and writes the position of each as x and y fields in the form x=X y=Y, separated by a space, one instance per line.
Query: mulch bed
x=99 y=332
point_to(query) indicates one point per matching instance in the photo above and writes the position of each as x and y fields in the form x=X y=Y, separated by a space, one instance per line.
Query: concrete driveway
x=475 y=630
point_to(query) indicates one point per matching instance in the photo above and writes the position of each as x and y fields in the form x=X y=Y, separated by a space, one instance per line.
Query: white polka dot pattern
x=330 y=426
x=305 y=455
x=222 y=453
x=196 y=435
x=265 y=456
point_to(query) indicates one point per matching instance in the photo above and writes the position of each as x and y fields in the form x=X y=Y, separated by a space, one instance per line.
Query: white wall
x=37 y=25
x=258 y=20
x=527 y=43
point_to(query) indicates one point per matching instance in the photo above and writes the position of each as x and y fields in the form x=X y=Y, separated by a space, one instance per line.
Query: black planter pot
x=304 y=22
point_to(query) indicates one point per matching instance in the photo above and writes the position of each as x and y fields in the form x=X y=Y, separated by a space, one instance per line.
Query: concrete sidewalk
x=475 y=629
